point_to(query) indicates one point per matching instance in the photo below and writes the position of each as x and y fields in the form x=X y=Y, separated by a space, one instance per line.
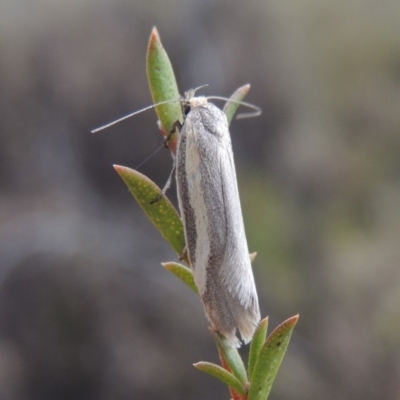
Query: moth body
x=214 y=231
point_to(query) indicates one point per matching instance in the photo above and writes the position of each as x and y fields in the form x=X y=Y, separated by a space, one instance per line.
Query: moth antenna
x=191 y=92
x=257 y=110
x=132 y=114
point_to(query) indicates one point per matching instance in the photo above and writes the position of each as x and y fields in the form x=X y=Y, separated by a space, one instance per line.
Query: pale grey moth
x=214 y=231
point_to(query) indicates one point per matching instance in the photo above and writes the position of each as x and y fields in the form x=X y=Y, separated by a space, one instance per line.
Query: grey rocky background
x=86 y=310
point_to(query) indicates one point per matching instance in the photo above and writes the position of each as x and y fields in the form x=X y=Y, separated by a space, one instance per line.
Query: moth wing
x=236 y=267
x=230 y=283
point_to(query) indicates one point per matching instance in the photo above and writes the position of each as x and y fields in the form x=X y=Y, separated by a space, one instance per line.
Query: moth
x=210 y=208
x=209 y=204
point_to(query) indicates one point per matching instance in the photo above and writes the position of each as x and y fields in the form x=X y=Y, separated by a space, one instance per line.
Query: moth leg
x=184 y=254
x=176 y=127
x=166 y=187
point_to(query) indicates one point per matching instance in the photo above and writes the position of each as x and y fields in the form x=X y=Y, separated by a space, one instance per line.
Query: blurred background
x=86 y=310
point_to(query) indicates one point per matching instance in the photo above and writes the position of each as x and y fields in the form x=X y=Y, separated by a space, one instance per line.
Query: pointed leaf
x=230 y=107
x=270 y=359
x=184 y=273
x=223 y=375
x=163 y=86
x=256 y=344
x=162 y=213
x=230 y=358
x=253 y=256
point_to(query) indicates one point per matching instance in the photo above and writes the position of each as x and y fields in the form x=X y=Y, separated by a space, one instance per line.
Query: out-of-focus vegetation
x=86 y=311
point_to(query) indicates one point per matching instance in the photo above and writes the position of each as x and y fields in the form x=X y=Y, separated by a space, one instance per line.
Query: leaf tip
x=253 y=256
x=154 y=34
x=294 y=319
x=119 y=168
x=154 y=40
x=166 y=265
x=264 y=322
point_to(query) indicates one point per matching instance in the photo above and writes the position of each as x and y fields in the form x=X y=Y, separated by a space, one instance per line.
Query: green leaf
x=256 y=344
x=230 y=358
x=270 y=359
x=162 y=213
x=163 y=87
x=230 y=107
x=184 y=273
x=223 y=375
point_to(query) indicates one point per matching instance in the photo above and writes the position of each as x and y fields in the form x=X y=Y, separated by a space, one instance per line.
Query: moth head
x=193 y=102
x=190 y=101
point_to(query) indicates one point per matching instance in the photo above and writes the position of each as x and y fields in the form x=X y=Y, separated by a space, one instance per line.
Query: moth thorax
x=197 y=101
